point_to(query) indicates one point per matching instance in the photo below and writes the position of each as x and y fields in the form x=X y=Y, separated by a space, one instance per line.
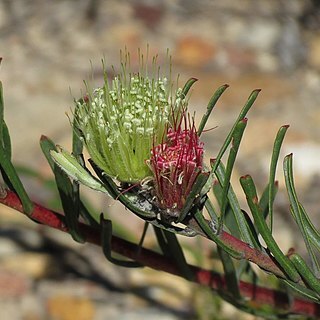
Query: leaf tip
x=290 y=252
x=43 y=138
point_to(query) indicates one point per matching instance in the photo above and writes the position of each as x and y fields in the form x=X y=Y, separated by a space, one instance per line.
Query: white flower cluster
x=121 y=121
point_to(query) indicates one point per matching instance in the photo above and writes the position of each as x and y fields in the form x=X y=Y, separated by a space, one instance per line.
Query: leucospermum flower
x=120 y=122
x=176 y=163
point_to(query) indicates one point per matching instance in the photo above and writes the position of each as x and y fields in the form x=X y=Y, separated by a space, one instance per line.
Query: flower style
x=176 y=163
x=120 y=121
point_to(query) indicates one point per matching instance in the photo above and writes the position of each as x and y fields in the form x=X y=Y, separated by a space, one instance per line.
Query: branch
x=256 y=295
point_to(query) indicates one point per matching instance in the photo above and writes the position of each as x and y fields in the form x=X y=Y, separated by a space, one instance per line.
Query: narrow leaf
x=232 y=280
x=252 y=200
x=1 y=110
x=69 y=164
x=264 y=199
x=273 y=167
x=210 y=107
x=193 y=195
x=298 y=214
x=65 y=189
x=253 y=96
x=302 y=291
x=106 y=236
x=177 y=255
x=188 y=86
x=306 y=273
x=212 y=211
x=312 y=231
x=171 y=248
x=6 y=141
x=211 y=232
x=246 y=234
x=14 y=181
x=7 y=169
x=237 y=136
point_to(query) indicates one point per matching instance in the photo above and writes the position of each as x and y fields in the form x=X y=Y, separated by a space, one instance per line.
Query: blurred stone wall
x=48 y=48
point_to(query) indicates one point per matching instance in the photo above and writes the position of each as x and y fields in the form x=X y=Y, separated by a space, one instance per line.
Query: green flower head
x=122 y=120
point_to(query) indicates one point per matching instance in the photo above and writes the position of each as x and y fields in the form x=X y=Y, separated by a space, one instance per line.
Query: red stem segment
x=255 y=295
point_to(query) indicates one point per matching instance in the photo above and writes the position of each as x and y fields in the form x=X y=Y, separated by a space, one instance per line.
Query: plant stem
x=257 y=296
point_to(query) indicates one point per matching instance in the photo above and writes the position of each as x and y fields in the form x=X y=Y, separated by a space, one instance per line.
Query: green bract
x=121 y=121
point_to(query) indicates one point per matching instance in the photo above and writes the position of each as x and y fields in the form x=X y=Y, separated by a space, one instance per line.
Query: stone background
x=48 y=48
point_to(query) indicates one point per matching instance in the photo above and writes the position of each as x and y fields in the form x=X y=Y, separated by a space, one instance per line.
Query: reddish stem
x=256 y=295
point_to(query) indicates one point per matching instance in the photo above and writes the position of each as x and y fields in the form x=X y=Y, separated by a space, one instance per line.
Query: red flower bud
x=176 y=163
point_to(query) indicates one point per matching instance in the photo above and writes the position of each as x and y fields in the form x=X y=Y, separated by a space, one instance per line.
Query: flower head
x=120 y=121
x=176 y=163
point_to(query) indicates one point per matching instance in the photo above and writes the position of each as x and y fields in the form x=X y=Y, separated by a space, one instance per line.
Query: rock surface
x=47 y=47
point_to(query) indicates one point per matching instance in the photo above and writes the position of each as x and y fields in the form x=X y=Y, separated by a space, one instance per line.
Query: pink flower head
x=176 y=163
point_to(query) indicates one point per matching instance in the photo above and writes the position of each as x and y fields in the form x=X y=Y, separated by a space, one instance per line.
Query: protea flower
x=120 y=122
x=176 y=163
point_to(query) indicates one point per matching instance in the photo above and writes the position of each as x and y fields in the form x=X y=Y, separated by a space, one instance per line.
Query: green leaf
x=188 y=86
x=1 y=110
x=77 y=144
x=302 y=291
x=306 y=273
x=264 y=199
x=210 y=107
x=246 y=272
x=14 y=181
x=6 y=140
x=7 y=169
x=312 y=231
x=230 y=272
x=66 y=191
x=253 y=96
x=211 y=232
x=237 y=136
x=4 y=131
x=106 y=236
x=242 y=228
x=193 y=195
x=144 y=233
x=69 y=164
x=171 y=248
x=252 y=200
x=298 y=213
x=273 y=166
x=212 y=211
